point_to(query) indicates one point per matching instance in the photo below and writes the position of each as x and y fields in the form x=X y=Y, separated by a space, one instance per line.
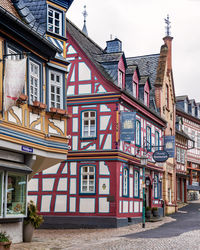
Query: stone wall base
x=66 y=222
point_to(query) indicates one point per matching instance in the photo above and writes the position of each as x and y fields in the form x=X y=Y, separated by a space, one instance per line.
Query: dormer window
x=135 y=89
x=186 y=106
x=146 y=98
x=120 y=78
x=54 y=21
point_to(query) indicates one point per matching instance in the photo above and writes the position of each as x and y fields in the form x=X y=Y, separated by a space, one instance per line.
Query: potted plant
x=155 y=212
x=31 y=222
x=148 y=212
x=4 y=241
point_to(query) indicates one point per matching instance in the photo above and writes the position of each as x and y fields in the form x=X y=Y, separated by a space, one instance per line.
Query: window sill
x=87 y=193
x=56 y=35
x=88 y=138
x=59 y=112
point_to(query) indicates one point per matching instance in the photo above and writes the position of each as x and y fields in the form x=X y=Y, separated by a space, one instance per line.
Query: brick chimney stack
x=168 y=42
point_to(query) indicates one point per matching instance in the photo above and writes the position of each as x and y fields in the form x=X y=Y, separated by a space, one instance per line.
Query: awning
x=14 y=166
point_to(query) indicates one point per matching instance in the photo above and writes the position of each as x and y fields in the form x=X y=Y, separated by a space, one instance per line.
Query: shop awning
x=14 y=166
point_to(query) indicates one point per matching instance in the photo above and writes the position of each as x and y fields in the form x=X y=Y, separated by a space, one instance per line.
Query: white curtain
x=14 y=81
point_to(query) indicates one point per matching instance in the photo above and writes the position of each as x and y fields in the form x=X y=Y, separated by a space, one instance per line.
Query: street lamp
x=143 y=161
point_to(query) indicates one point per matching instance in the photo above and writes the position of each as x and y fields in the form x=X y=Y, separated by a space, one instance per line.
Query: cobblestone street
x=179 y=231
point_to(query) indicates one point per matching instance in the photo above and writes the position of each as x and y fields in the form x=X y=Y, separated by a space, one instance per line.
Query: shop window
x=55 y=19
x=156 y=191
x=1 y=193
x=13 y=193
x=87 y=181
x=16 y=194
x=88 y=124
x=137 y=133
x=136 y=184
x=125 y=182
x=56 y=89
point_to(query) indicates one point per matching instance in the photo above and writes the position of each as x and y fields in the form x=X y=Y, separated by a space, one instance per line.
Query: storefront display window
x=1 y=192
x=16 y=194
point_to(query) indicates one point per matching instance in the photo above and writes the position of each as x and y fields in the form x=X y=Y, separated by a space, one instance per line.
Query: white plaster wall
x=14 y=231
x=87 y=205
x=103 y=205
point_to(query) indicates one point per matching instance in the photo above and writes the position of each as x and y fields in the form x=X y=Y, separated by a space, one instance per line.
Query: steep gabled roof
x=94 y=52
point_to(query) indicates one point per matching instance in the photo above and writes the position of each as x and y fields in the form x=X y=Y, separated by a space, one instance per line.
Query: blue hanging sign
x=127 y=126
x=169 y=142
x=160 y=156
x=27 y=149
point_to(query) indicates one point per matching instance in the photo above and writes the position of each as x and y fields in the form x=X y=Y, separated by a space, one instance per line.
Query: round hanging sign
x=160 y=156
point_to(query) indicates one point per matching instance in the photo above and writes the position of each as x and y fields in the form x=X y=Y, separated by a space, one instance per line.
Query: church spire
x=84 y=30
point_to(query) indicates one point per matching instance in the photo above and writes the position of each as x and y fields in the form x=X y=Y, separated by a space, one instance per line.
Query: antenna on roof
x=85 y=14
x=110 y=36
x=168 y=26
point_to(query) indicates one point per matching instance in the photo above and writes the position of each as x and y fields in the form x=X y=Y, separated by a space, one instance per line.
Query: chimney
x=168 y=42
x=114 y=46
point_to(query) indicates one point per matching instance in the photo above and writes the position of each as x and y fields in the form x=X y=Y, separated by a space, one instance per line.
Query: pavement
x=178 y=231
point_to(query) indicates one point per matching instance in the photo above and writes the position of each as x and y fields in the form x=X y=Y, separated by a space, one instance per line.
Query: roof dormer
x=144 y=90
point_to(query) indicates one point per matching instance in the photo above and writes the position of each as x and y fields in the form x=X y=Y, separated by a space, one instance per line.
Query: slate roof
x=147 y=65
x=34 y=13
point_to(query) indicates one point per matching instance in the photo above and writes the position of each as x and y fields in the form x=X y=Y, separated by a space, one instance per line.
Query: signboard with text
x=160 y=156
x=127 y=126
x=169 y=142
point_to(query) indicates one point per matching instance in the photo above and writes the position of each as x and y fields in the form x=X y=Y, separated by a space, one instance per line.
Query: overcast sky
x=139 y=24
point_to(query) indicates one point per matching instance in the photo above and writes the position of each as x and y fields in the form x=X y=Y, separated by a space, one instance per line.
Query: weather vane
x=85 y=13
x=168 y=26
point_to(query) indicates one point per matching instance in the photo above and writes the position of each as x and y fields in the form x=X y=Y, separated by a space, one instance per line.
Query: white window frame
x=88 y=174
x=54 y=19
x=138 y=133
x=125 y=182
x=136 y=184
x=178 y=154
x=56 y=85
x=135 y=89
x=148 y=138
x=182 y=152
x=157 y=140
x=120 y=78
x=146 y=98
x=89 y=118
x=198 y=140
x=35 y=76
x=5 y=215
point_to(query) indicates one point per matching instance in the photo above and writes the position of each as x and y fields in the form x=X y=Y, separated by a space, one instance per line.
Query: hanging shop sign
x=127 y=126
x=160 y=156
x=169 y=145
